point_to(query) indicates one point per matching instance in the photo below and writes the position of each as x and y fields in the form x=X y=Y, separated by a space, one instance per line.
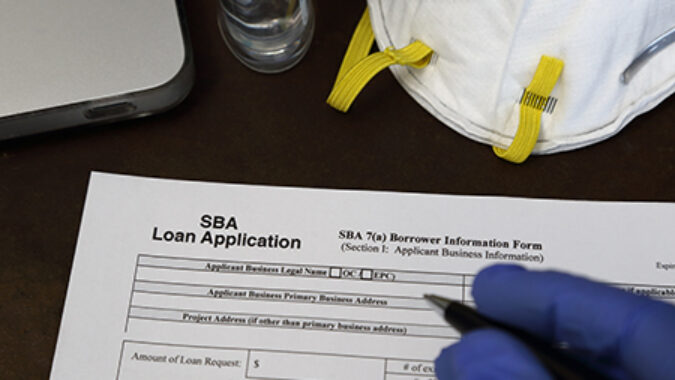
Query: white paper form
x=192 y=280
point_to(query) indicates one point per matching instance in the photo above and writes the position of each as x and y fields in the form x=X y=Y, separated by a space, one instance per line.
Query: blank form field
x=280 y=365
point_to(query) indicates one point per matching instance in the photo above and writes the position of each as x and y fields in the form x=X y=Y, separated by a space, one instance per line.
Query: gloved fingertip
x=443 y=364
x=492 y=276
x=498 y=269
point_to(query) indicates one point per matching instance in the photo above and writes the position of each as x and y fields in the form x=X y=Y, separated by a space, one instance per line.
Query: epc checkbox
x=367 y=274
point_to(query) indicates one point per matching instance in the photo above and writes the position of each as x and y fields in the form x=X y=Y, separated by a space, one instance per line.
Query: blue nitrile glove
x=632 y=336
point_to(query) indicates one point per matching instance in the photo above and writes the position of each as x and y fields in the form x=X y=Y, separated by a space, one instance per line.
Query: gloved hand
x=632 y=336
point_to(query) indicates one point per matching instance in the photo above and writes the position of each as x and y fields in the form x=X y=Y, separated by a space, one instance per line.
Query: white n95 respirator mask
x=525 y=76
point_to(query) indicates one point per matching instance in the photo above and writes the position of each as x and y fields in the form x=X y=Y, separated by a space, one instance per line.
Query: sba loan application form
x=193 y=280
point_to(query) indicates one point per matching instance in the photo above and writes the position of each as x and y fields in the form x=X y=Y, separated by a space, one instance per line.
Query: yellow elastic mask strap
x=533 y=102
x=358 y=68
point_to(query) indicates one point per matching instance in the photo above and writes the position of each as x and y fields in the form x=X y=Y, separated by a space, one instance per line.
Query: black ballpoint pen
x=558 y=362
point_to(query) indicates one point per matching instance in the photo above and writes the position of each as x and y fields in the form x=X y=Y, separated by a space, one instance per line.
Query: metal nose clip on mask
x=650 y=51
x=530 y=76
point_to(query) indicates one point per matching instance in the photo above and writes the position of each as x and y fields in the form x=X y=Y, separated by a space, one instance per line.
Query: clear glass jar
x=268 y=36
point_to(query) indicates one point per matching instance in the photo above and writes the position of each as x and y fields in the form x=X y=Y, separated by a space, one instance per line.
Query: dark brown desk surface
x=239 y=126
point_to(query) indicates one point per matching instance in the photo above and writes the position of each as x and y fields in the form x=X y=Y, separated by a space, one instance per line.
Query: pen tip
x=437 y=301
